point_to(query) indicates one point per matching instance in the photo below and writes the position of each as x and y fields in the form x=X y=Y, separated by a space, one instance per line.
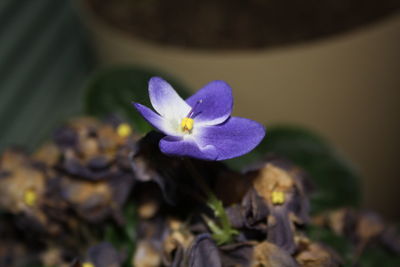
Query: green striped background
x=44 y=60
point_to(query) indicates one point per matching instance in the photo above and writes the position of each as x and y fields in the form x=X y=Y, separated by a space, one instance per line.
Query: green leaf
x=222 y=232
x=336 y=182
x=123 y=237
x=112 y=90
x=377 y=256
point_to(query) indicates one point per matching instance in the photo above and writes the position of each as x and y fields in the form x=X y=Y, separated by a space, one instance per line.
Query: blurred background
x=329 y=66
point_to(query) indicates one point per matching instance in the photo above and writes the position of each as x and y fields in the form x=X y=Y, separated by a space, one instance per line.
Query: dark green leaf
x=378 y=257
x=112 y=90
x=336 y=182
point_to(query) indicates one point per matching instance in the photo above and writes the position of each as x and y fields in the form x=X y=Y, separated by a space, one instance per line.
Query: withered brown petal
x=149 y=164
x=179 y=257
x=65 y=137
x=172 y=174
x=121 y=185
x=99 y=163
x=73 y=167
x=104 y=255
x=4 y=174
x=270 y=255
x=235 y=215
x=390 y=238
x=300 y=206
x=239 y=254
x=204 y=252
x=255 y=210
x=76 y=263
x=318 y=255
x=279 y=230
x=251 y=214
x=370 y=225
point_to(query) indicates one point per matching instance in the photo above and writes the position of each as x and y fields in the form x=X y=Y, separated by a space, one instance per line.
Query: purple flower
x=200 y=127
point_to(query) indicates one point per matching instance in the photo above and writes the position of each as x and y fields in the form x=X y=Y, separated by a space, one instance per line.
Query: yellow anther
x=278 y=197
x=88 y=264
x=187 y=124
x=124 y=130
x=30 y=197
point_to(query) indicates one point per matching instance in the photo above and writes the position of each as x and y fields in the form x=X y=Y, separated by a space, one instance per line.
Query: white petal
x=166 y=101
x=156 y=120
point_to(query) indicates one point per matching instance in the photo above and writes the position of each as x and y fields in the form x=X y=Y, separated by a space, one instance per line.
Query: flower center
x=30 y=197
x=188 y=122
x=187 y=125
x=124 y=130
x=278 y=197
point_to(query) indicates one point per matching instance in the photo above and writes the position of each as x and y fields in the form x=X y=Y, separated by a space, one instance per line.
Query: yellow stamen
x=187 y=124
x=278 y=197
x=124 y=130
x=88 y=264
x=30 y=197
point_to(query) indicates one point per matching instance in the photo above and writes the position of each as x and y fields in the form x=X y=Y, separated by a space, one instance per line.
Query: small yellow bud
x=30 y=197
x=278 y=197
x=88 y=264
x=124 y=130
x=187 y=124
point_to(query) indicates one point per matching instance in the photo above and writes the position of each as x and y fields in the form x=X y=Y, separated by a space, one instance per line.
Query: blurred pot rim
x=96 y=23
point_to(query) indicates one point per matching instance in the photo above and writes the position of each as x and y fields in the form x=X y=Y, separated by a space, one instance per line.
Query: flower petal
x=233 y=138
x=216 y=103
x=154 y=119
x=204 y=252
x=165 y=100
x=185 y=147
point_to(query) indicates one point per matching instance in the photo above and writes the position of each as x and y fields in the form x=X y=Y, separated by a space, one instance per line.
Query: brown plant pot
x=347 y=87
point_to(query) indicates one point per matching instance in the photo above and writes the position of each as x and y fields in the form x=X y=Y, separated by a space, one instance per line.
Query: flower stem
x=222 y=232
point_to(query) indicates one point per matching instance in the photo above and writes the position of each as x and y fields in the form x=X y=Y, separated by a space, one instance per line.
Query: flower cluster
x=98 y=195
x=82 y=177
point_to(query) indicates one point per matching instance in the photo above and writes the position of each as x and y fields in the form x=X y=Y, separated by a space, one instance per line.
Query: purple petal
x=165 y=100
x=216 y=103
x=233 y=138
x=154 y=119
x=182 y=147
